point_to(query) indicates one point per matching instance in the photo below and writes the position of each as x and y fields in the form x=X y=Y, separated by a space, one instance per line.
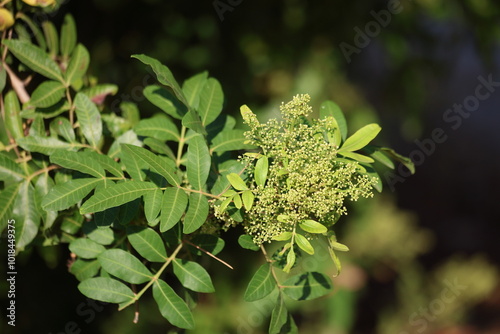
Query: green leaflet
x=159 y=146
x=171 y=306
x=47 y=94
x=42 y=186
x=152 y=206
x=7 y=199
x=62 y=127
x=106 y=162
x=36 y=31
x=198 y=162
x=261 y=284
x=84 y=269
x=68 y=36
x=307 y=286
x=89 y=118
x=13 y=121
x=86 y=248
x=51 y=37
x=99 y=92
x=116 y=195
x=261 y=169
x=196 y=214
x=9 y=170
x=159 y=127
x=211 y=100
x=329 y=108
x=312 y=226
x=192 y=88
x=164 y=75
x=229 y=140
x=64 y=195
x=356 y=156
x=37 y=128
x=165 y=100
x=78 y=65
x=360 y=138
x=161 y=165
x=101 y=235
x=193 y=276
x=125 y=266
x=304 y=244
x=79 y=162
x=246 y=241
x=147 y=242
x=248 y=197
x=236 y=181
x=106 y=290
x=45 y=145
x=193 y=121
x=35 y=58
x=173 y=205
x=279 y=316
x=26 y=216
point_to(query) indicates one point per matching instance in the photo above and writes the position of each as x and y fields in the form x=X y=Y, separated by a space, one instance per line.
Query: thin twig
x=209 y=254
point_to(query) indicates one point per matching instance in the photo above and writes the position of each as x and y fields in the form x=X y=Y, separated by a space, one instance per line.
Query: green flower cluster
x=304 y=179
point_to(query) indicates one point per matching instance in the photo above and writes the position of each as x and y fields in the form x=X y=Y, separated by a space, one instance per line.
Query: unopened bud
x=6 y=19
x=40 y=3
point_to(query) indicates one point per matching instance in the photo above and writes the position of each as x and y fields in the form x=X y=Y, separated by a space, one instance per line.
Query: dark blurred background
x=405 y=64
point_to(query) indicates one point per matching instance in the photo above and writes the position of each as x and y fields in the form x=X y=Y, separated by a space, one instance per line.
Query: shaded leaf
x=68 y=36
x=193 y=276
x=47 y=94
x=165 y=100
x=207 y=242
x=106 y=290
x=78 y=65
x=246 y=241
x=13 y=121
x=26 y=216
x=261 y=284
x=83 y=269
x=193 y=121
x=9 y=170
x=89 y=119
x=279 y=316
x=152 y=205
x=307 y=286
x=62 y=127
x=86 y=248
x=329 y=108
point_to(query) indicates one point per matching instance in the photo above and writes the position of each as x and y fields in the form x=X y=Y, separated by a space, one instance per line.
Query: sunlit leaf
x=198 y=162
x=211 y=100
x=329 y=108
x=147 y=242
x=78 y=162
x=192 y=88
x=9 y=170
x=236 y=181
x=89 y=119
x=152 y=205
x=125 y=266
x=312 y=226
x=173 y=205
x=64 y=195
x=35 y=58
x=159 y=127
x=26 y=216
x=165 y=100
x=248 y=197
x=13 y=121
x=196 y=213
x=261 y=169
x=360 y=138
x=62 y=127
x=229 y=140
x=304 y=244
x=116 y=195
